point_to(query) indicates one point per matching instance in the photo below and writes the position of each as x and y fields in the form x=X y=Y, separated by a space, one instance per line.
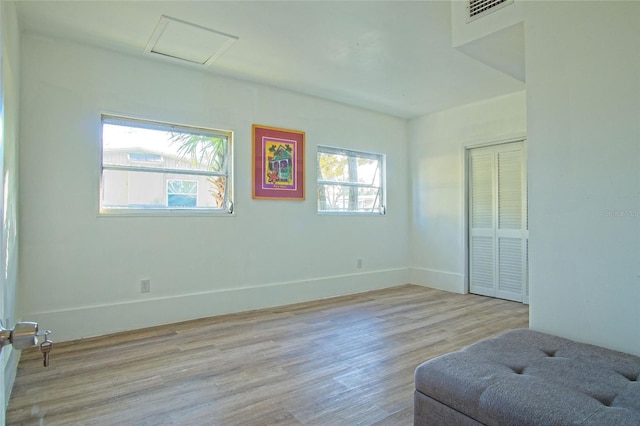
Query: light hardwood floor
x=341 y=361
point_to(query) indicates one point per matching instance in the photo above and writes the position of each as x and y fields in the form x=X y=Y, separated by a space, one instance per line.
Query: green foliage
x=331 y=167
x=204 y=151
x=207 y=151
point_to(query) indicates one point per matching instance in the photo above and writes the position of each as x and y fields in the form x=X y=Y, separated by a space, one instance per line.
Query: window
x=152 y=167
x=182 y=193
x=350 y=181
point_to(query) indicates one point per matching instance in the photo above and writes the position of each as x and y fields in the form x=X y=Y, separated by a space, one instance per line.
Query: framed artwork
x=278 y=163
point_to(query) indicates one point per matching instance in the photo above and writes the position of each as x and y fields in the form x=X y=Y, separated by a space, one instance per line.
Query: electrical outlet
x=145 y=286
x=359 y=263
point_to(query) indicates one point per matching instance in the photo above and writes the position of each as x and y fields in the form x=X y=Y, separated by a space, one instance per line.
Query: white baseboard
x=441 y=280
x=88 y=321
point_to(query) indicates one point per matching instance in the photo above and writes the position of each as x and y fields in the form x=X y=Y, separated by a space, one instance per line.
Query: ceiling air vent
x=479 y=8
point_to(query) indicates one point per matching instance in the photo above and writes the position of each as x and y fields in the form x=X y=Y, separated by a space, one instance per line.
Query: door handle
x=22 y=336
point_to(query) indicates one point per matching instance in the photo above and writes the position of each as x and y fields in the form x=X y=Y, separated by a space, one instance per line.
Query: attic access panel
x=189 y=42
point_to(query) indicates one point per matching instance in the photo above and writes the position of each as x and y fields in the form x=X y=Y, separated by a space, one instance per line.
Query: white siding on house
x=123 y=188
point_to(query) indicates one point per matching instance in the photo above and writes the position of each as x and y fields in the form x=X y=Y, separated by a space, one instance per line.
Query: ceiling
x=393 y=57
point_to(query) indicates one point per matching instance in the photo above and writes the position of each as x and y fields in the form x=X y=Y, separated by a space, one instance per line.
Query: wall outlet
x=359 y=263
x=145 y=286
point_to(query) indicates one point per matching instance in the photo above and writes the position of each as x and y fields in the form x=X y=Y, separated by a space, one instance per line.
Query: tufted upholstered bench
x=524 y=377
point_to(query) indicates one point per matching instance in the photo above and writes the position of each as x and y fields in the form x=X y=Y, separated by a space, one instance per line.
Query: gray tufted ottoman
x=524 y=377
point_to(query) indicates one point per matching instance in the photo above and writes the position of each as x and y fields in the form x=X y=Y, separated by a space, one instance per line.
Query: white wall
x=437 y=164
x=583 y=86
x=80 y=273
x=9 y=51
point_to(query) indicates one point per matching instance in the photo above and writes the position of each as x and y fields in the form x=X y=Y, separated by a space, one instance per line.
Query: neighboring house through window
x=350 y=181
x=152 y=167
x=182 y=193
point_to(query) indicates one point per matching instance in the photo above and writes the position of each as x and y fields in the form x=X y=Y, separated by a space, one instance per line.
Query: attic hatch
x=181 y=40
x=479 y=8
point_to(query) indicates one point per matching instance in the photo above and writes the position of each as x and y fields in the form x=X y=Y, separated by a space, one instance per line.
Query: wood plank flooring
x=341 y=361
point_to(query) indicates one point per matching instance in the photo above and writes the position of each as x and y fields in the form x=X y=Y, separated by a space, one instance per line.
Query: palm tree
x=204 y=151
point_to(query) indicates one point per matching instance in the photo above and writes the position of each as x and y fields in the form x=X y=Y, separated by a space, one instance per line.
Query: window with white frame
x=350 y=181
x=149 y=166
x=182 y=193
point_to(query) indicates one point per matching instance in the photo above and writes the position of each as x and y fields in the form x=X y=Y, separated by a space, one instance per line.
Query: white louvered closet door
x=498 y=222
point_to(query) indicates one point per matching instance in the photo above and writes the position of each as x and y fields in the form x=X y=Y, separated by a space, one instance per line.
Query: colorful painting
x=278 y=163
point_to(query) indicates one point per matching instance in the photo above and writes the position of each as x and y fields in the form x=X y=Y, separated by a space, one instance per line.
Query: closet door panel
x=497 y=222
x=510 y=269
x=510 y=222
x=482 y=226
